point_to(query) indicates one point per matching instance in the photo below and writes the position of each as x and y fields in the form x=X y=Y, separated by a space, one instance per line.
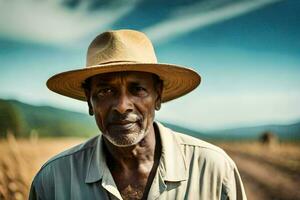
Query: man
x=134 y=157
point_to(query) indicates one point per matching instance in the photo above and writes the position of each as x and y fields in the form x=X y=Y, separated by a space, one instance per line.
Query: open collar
x=172 y=164
x=97 y=164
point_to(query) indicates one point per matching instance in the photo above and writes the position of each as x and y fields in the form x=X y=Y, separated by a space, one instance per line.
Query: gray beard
x=127 y=140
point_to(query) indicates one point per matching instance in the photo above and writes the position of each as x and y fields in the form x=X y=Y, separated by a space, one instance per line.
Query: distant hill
x=22 y=119
x=284 y=132
x=194 y=133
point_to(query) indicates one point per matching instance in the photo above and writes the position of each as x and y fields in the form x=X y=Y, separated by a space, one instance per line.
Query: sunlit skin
x=124 y=106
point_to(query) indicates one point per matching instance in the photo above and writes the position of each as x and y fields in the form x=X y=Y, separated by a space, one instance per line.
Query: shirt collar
x=97 y=164
x=172 y=164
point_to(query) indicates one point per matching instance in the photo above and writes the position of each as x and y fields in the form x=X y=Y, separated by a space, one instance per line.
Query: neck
x=132 y=157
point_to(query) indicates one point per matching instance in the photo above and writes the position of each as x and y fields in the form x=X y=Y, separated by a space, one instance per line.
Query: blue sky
x=247 y=53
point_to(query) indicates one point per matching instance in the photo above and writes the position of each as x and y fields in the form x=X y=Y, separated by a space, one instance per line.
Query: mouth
x=122 y=126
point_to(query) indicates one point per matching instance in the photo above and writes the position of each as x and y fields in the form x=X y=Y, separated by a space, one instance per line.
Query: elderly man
x=135 y=157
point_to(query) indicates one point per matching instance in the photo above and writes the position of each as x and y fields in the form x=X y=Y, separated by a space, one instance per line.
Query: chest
x=131 y=185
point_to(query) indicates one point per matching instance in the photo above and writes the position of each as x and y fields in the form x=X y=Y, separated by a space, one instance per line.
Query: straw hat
x=119 y=51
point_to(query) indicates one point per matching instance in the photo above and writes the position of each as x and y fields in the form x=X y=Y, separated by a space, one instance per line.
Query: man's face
x=124 y=105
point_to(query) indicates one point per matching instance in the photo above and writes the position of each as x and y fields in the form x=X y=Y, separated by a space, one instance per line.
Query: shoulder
x=204 y=153
x=209 y=159
x=206 y=166
x=66 y=160
x=55 y=175
x=196 y=143
x=76 y=151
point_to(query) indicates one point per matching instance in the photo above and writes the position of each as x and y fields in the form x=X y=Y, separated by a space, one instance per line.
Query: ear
x=158 y=104
x=159 y=89
x=88 y=99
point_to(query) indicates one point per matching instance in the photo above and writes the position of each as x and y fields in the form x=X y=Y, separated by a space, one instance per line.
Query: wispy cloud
x=50 y=22
x=189 y=18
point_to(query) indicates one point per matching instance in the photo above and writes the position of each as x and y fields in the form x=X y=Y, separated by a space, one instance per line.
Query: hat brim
x=177 y=80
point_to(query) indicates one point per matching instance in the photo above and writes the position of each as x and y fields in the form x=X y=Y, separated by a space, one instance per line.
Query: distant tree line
x=22 y=119
x=10 y=119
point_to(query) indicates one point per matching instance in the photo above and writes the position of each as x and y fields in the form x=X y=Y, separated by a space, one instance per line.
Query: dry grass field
x=21 y=159
x=268 y=172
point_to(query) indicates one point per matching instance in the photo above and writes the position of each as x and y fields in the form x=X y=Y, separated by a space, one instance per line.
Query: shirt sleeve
x=35 y=192
x=232 y=188
x=41 y=185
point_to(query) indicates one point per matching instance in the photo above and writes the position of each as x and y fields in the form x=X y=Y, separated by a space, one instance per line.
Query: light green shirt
x=189 y=168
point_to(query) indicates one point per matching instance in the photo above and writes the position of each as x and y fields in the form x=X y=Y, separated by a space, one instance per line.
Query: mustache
x=117 y=118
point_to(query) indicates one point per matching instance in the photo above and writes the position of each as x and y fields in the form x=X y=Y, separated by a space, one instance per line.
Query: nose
x=123 y=103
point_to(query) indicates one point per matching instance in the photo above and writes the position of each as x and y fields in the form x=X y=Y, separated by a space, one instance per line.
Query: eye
x=102 y=92
x=139 y=91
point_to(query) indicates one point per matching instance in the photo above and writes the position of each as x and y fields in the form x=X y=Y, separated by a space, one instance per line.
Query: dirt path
x=265 y=181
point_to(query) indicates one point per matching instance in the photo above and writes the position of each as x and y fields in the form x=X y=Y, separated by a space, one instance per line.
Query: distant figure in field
x=134 y=157
x=269 y=138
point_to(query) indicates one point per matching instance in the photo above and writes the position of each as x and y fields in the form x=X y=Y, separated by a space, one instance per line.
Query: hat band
x=112 y=62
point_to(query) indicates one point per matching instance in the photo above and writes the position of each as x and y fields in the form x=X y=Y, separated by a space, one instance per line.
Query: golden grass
x=21 y=159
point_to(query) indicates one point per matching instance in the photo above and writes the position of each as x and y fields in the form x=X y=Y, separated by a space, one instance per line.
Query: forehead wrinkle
x=105 y=79
x=116 y=79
